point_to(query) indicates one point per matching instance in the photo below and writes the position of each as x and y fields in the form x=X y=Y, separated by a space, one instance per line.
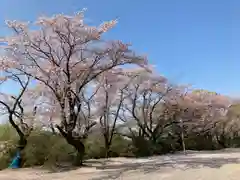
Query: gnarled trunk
x=76 y=143
x=80 y=148
x=107 y=150
x=79 y=158
x=22 y=143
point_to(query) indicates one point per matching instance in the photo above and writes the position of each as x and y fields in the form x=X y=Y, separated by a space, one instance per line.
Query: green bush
x=141 y=147
x=7 y=155
x=7 y=133
x=120 y=147
x=95 y=147
x=8 y=140
x=44 y=148
x=200 y=142
x=235 y=142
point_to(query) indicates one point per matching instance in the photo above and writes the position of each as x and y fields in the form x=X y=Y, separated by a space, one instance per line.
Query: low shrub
x=48 y=149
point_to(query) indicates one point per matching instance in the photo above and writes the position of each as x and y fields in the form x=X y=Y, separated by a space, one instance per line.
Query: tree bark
x=106 y=144
x=107 y=147
x=182 y=136
x=80 y=148
x=76 y=143
x=79 y=157
x=22 y=143
x=183 y=143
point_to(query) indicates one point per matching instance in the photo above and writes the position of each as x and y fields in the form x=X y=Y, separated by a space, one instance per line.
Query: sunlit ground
x=193 y=166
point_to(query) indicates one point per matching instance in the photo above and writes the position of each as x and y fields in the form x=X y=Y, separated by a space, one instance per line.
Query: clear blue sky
x=196 y=42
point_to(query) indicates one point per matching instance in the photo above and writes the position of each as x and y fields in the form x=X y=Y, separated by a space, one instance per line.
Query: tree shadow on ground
x=114 y=171
x=64 y=167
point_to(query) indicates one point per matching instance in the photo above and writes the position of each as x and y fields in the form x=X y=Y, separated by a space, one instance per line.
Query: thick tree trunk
x=221 y=141
x=22 y=143
x=77 y=144
x=183 y=142
x=182 y=137
x=107 y=145
x=79 y=158
x=80 y=148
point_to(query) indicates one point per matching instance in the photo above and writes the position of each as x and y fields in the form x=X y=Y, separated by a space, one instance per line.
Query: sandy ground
x=219 y=165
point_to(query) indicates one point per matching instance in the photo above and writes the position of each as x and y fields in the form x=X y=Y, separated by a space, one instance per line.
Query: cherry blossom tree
x=199 y=112
x=157 y=107
x=112 y=91
x=209 y=105
x=144 y=106
x=47 y=114
x=14 y=106
x=228 y=128
x=65 y=55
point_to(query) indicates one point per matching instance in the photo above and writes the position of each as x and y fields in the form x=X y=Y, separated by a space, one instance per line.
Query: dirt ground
x=219 y=165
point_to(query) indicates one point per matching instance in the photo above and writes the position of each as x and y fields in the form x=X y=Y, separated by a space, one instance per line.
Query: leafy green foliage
x=45 y=148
